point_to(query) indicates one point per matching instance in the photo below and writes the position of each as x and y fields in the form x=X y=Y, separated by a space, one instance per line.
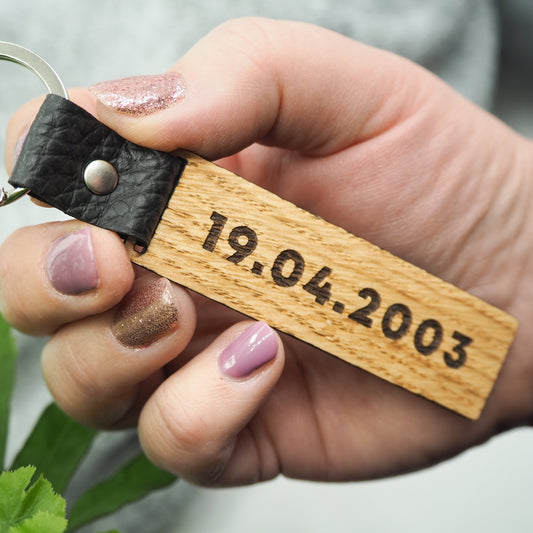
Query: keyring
x=220 y=235
x=30 y=60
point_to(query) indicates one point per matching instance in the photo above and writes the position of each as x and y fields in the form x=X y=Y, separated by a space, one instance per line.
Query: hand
x=362 y=138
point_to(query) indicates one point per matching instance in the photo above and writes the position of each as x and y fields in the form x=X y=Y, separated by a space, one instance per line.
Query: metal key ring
x=30 y=60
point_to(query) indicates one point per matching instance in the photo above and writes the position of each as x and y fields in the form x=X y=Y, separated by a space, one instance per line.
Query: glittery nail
x=141 y=95
x=148 y=314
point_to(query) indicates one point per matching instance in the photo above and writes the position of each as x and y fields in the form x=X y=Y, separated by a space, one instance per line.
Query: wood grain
x=404 y=340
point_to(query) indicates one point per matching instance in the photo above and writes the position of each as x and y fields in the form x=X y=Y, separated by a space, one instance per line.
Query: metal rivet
x=100 y=177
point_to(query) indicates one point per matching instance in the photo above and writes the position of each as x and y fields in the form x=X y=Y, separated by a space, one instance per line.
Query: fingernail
x=141 y=95
x=255 y=347
x=70 y=263
x=18 y=145
x=148 y=314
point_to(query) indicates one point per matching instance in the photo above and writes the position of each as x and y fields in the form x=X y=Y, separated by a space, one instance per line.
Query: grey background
x=484 y=49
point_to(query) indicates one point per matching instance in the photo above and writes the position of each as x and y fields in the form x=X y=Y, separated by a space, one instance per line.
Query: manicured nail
x=255 y=347
x=141 y=95
x=70 y=263
x=148 y=314
x=18 y=145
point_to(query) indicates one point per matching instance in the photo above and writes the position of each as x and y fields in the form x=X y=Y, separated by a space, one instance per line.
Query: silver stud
x=100 y=177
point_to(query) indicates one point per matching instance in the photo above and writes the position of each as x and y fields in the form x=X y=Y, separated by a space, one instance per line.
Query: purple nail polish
x=255 y=347
x=18 y=145
x=70 y=263
x=146 y=315
x=141 y=95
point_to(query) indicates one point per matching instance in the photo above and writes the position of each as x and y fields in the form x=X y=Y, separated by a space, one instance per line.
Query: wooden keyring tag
x=244 y=247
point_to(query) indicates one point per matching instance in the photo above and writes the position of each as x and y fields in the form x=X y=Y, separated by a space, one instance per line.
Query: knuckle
x=96 y=394
x=178 y=440
x=72 y=380
x=247 y=37
x=240 y=28
x=13 y=306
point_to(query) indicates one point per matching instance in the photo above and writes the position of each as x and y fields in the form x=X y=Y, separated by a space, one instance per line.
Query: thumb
x=239 y=85
x=195 y=423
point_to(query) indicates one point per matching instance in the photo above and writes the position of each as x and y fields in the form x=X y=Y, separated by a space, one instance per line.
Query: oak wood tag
x=242 y=246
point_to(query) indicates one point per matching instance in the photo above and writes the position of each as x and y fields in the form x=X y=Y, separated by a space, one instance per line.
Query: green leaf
x=8 y=355
x=55 y=447
x=36 y=509
x=41 y=522
x=131 y=482
x=41 y=496
x=12 y=488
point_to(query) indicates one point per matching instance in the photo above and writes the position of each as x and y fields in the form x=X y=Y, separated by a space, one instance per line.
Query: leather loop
x=63 y=140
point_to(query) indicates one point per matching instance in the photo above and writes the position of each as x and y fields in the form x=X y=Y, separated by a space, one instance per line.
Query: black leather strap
x=63 y=140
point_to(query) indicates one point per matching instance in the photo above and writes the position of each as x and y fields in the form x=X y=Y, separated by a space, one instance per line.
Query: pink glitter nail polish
x=141 y=95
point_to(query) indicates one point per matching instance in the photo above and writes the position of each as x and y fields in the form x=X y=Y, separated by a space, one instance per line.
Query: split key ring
x=30 y=60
